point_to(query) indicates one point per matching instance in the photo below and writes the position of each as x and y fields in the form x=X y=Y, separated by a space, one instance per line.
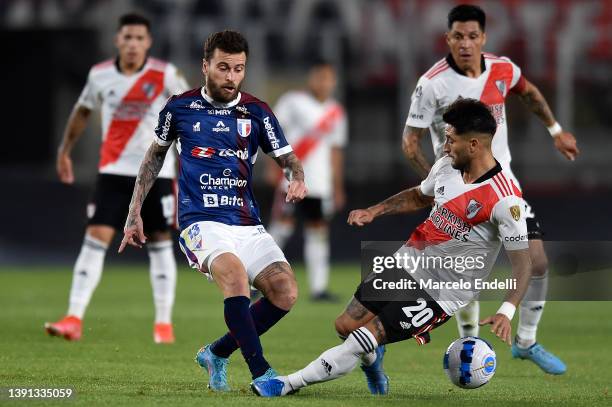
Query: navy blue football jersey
x=217 y=145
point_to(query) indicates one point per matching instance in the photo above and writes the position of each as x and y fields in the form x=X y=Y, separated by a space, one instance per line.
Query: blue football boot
x=541 y=357
x=378 y=381
x=216 y=368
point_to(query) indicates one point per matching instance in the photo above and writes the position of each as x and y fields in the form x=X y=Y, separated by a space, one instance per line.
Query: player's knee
x=283 y=292
x=343 y=326
x=539 y=266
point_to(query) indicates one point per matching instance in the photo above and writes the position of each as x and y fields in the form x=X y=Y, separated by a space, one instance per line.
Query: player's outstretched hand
x=133 y=235
x=297 y=191
x=500 y=326
x=566 y=144
x=360 y=217
x=64 y=168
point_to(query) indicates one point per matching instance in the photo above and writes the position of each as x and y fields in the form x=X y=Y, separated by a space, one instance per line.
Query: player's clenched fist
x=297 y=191
x=360 y=217
x=133 y=233
x=500 y=326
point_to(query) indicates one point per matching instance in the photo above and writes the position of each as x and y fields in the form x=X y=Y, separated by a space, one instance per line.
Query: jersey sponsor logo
x=196 y=104
x=244 y=127
x=202 y=152
x=207 y=181
x=445 y=220
x=229 y=153
x=166 y=127
x=515 y=211
x=213 y=201
x=440 y=191
x=271 y=134
x=219 y=112
x=196 y=126
x=220 y=127
x=519 y=238
x=416 y=116
x=472 y=209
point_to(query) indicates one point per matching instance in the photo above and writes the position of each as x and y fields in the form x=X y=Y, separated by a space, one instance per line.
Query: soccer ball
x=470 y=362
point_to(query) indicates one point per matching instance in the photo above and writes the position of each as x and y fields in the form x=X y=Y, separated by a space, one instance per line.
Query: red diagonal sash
x=129 y=113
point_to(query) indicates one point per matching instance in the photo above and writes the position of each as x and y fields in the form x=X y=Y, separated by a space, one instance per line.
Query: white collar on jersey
x=219 y=105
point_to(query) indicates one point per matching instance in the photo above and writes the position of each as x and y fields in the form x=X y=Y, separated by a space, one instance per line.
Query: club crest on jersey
x=501 y=87
x=472 y=209
x=244 y=127
x=515 y=211
x=148 y=88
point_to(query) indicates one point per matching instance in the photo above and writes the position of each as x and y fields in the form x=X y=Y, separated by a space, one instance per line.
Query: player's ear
x=204 y=66
x=484 y=38
x=447 y=38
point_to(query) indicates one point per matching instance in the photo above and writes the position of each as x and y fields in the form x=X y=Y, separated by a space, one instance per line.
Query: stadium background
x=380 y=47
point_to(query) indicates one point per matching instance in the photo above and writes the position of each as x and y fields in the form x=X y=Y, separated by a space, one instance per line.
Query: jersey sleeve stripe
x=499 y=186
x=437 y=71
x=497 y=189
x=281 y=151
x=436 y=66
x=506 y=184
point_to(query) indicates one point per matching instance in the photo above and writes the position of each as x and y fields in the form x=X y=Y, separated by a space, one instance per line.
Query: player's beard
x=459 y=162
x=216 y=91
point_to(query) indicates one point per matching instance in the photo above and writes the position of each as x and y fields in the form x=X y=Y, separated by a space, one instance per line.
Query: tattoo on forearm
x=405 y=201
x=535 y=102
x=149 y=170
x=413 y=152
x=355 y=310
x=291 y=165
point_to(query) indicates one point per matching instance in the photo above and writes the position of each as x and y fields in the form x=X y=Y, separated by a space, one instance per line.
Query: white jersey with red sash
x=313 y=128
x=445 y=82
x=468 y=224
x=129 y=106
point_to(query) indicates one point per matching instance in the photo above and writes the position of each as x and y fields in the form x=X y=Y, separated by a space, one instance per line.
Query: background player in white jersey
x=316 y=127
x=468 y=72
x=218 y=132
x=468 y=210
x=130 y=90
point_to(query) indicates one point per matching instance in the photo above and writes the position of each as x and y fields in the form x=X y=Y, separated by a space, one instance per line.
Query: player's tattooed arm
x=411 y=145
x=149 y=170
x=564 y=141
x=409 y=200
x=536 y=103
x=292 y=167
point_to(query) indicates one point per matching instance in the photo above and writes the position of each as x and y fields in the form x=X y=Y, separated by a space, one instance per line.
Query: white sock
x=316 y=256
x=280 y=232
x=530 y=311
x=467 y=319
x=86 y=275
x=334 y=362
x=162 y=268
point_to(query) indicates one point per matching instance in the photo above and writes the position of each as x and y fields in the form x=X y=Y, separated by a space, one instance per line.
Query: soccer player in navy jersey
x=218 y=130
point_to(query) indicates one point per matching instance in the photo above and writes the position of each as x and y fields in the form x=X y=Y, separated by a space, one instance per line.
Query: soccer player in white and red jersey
x=130 y=90
x=316 y=127
x=476 y=210
x=469 y=73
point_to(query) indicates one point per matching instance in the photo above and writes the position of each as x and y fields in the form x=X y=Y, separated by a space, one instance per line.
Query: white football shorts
x=202 y=242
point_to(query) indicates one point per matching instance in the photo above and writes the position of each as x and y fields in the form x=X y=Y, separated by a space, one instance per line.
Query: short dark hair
x=228 y=41
x=133 y=19
x=467 y=12
x=470 y=115
x=320 y=63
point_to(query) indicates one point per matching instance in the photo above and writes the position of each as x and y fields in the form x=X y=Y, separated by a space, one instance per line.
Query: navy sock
x=265 y=315
x=241 y=326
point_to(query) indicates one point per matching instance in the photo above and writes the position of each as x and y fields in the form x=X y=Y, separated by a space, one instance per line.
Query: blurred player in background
x=315 y=125
x=129 y=90
x=456 y=229
x=218 y=131
x=468 y=72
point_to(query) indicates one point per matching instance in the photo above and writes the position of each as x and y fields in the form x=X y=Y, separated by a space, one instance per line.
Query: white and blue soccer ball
x=470 y=362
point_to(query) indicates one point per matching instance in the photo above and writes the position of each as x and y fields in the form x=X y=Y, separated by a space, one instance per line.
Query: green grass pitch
x=116 y=363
